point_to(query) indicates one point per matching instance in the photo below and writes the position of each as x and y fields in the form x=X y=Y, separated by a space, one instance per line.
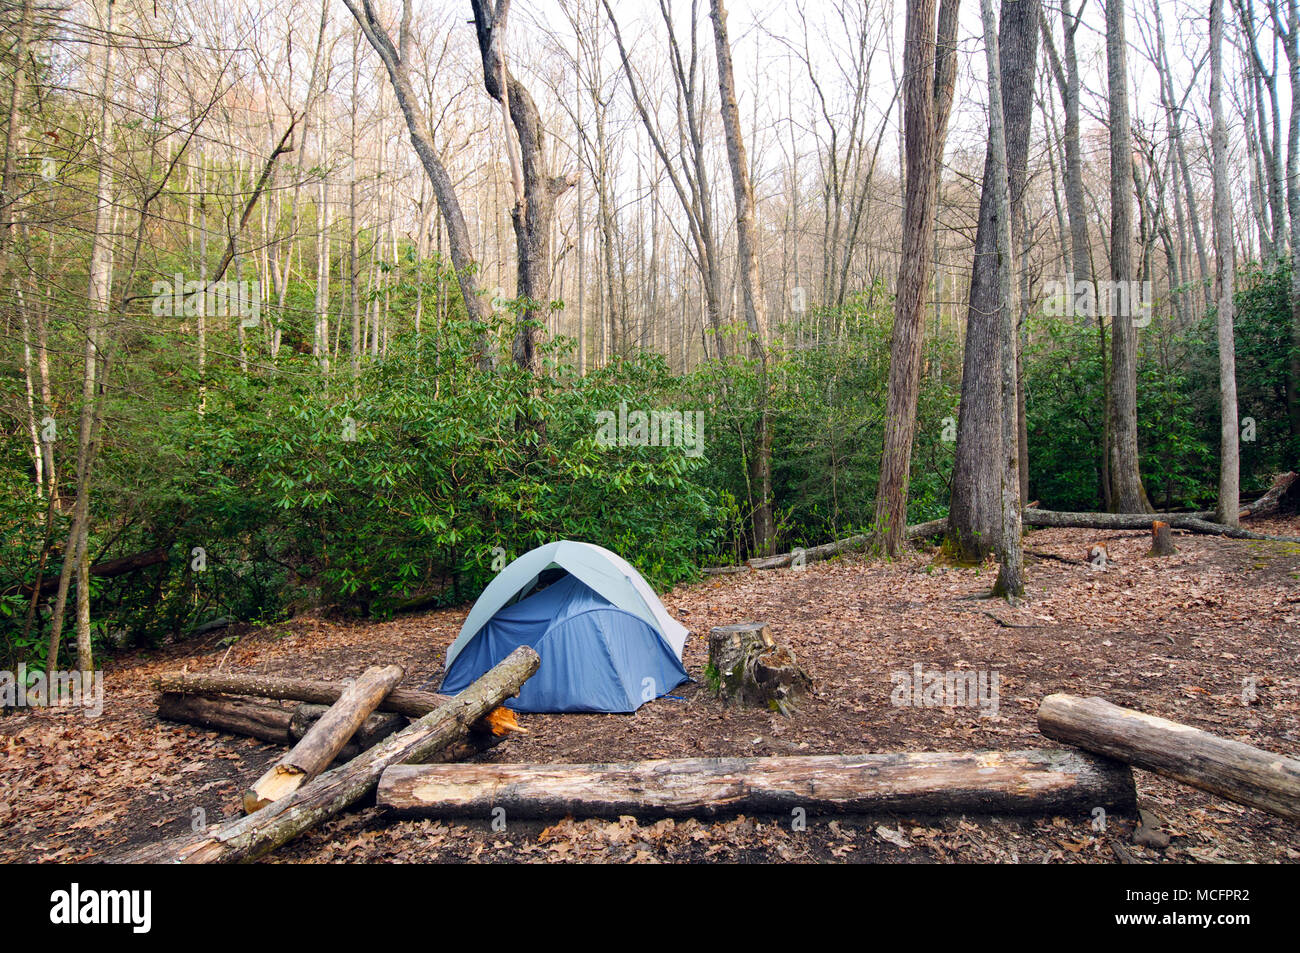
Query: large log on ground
x=233 y=715
x=404 y=701
x=284 y=726
x=827 y=550
x=238 y=716
x=325 y=739
x=256 y=835
x=1231 y=769
x=1015 y=782
x=1191 y=522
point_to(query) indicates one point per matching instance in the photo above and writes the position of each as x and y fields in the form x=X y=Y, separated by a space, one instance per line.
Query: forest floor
x=1176 y=637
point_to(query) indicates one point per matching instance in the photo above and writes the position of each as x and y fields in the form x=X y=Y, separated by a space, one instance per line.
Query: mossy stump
x=752 y=670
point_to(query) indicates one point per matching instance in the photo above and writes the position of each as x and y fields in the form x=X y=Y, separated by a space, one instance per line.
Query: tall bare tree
x=975 y=512
x=1227 y=511
x=1010 y=581
x=1126 y=484
x=751 y=279
x=921 y=146
x=535 y=189
x=396 y=60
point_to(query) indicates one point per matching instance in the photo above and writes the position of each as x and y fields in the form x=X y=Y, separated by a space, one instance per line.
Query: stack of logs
x=301 y=790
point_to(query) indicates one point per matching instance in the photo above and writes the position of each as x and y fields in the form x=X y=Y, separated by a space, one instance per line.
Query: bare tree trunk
x=321 y=338
x=1229 y=463
x=535 y=188
x=460 y=246
x=1010 y=581
x=913 y=275
x=354 y=261
x=97 y=300
x=975 y=511
x=1290 y=34
x=1129 y=496
x=751 y=281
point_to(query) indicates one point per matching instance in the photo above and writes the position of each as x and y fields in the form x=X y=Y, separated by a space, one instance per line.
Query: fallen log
x=1191 y=522
x=1284 y=487
x=827 y=550
x=256 y=835
x=1195 y=522
x=232 y=715
x=284 y=726
x=1231 y=769
x=1056 y=518
x=373 y=730
x=1232 y=532
x=384 y=723
x=315 y=751
x=404 y=701
x=1016 y=782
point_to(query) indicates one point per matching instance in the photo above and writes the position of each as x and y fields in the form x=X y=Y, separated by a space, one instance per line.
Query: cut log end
x=281 y=781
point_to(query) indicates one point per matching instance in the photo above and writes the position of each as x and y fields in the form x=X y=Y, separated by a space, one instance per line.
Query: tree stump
x=1162 y=542
x=751 y=669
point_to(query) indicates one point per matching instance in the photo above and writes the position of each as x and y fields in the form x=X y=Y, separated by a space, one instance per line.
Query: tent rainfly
x=606 y=641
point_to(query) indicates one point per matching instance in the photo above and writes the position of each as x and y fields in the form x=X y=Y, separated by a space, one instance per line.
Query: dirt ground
x=1178 y=637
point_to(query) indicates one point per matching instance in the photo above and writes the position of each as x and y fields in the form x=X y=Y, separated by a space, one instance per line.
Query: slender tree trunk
x=1228 y=509
x=1125 y=481
x=751 y=281
x=97 y=300
x=913 y=275
x=1291 y=45
x=1010 y=581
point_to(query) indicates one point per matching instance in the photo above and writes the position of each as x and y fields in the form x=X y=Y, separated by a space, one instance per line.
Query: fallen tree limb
x=851 y=544
x=1143 y=521
x=325 y=739
x=110 y=569
x=1231 y=769
x=405 y=701
x=256 y=835
x=1232 y=532
x=1019 y=782
x=1191 y=522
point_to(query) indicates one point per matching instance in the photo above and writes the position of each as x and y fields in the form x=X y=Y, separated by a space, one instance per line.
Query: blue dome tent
x=606 y=642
